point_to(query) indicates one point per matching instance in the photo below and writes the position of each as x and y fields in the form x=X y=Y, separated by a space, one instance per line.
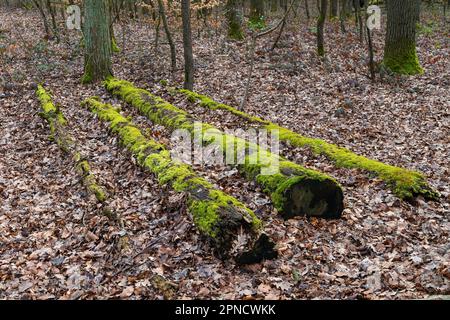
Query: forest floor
x=54 y=243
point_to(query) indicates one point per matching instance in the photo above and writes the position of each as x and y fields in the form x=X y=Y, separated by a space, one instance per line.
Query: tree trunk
x=233 y=229
x=404 y=183
x=320 y=27
x=173 y=54
x=400 y=54
x=234 y=17
x=294 y=189
x=97 y=41
x=187 y=45
x=308 y=14
x=334 y=8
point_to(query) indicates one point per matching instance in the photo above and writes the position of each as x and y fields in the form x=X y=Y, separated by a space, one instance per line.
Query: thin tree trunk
x=234 y=20
x=39 y=6
x=308 y=14
x=187 y=45
x=334 y=8
x=173 y=54
x=343 y=15
x=320 y=27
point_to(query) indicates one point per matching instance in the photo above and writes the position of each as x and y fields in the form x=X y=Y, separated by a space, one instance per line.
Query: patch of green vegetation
x=404 y=183
x=257 y=23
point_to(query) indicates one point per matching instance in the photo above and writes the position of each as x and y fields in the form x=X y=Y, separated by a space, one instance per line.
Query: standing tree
x=234 y=20
x=97 y=41
x=187 y=45
x=334 y=8
x=320 y=26
x=400 y=54
x=173 y=53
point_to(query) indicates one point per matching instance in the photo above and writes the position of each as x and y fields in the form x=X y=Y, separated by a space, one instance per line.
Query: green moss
x=406 y=184
x=403 y=59
x=205 y=203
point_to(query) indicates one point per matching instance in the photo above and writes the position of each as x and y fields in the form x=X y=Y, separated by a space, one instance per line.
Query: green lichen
x=163 y=113
x=205 y=203
x=405 y=184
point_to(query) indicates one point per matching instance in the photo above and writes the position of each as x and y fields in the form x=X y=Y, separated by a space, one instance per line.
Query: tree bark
x=320 y=27
x=187 y=45
x=234 y=19
x=233 y=229
x=334 y=8
x=97 y=41
x=294 y=190
x=173 y=54
x=400 y=54
x=343 y=15
x=308 y=14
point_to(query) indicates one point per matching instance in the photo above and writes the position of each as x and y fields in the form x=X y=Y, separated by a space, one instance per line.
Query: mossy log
x=294 y=190
x=405 y=184
x=58 y=124
x=232 y=228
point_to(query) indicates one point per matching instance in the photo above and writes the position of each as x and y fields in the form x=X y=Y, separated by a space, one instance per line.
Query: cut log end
x=322 y=199
x=263 y=249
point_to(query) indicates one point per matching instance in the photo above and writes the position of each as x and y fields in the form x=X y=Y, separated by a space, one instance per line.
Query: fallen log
x=294 y=190
x=405 y=184
x=58 y=123
x=233 y=229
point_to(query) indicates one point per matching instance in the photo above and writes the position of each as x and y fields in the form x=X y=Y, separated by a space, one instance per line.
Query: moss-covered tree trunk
x=57 y=124
x=320 y=27
x=400 y=54
x=406 y=184
x=97 y=41
x=294 y=190
x=234 y=18
x=232 y=228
